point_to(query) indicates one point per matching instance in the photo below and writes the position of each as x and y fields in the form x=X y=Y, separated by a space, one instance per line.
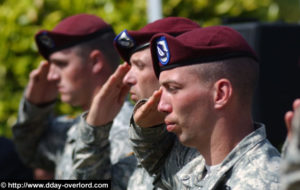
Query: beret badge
x=45 y=39
x=125 y=40
x=163 y=50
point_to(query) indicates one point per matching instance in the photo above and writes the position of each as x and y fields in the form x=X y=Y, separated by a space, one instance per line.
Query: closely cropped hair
x=103 y=43
x=243 y=73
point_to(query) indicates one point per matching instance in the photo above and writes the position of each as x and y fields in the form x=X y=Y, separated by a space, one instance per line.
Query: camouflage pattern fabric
x=72 y=148
x=253 y=164
x=141 y=180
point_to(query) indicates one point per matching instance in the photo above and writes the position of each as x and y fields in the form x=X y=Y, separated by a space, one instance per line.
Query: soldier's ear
x=97 y=61
x=222 y=93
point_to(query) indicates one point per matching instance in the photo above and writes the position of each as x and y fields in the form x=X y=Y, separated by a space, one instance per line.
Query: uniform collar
x=193 y=173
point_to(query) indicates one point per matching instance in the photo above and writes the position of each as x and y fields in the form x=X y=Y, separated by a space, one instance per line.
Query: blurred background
x=21 y=19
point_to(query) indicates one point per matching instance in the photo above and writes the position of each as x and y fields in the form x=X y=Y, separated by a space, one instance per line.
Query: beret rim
x=170 y=25
x=194 y=61
x=46 y=51
x=208 y=51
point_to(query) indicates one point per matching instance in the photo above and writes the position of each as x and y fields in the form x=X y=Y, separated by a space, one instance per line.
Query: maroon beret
x=128 y=42
x=202 y=45
x=69 y=32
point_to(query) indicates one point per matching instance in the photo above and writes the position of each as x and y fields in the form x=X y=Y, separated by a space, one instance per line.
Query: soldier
x=80 y=58
x=291 y=153
x=133 y=46
x=208 y=76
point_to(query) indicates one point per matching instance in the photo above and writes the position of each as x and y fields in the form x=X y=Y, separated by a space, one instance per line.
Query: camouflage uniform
x=72 y=148
x=291 y=159
x=252 y=164
x=141 y=180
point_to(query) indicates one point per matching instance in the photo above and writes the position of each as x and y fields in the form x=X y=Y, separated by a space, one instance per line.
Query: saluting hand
x=39 y=89
x=147 y=115
x=109 y=100
x=289 y=116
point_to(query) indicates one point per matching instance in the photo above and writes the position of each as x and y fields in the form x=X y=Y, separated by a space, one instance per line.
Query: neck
x=97 y=81
x=225 y=135
x=91 y=95
x=86 y=107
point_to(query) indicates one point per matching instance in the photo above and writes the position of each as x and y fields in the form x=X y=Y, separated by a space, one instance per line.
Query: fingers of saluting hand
x=288 y=122
x=296 y=104
x=151 y=105
x=154 y=100
x=115 y=81
x=147 y=115
x=156 y=96
x=121 y=72
x=114 y=87
x=288 y=117
x=123 y=93
x=44 y=66
x=117 y=78
x=41 y=71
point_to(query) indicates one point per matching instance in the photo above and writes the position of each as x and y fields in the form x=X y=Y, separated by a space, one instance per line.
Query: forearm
x=92 y=151
x=32 y=123
x=151 y=145
x=120 y=146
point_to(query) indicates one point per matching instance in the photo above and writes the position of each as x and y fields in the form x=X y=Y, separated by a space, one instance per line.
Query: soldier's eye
x=172 y=89
x=140 y=66
x=60 y=64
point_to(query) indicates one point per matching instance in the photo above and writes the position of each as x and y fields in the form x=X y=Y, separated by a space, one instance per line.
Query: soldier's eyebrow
x=57 y=61
x=167 y=82
x=137 y=62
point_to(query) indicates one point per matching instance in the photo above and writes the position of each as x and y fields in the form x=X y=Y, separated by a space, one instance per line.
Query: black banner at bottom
x=55 y=184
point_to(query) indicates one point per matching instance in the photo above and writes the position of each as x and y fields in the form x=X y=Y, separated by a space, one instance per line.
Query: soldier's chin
x=70 y=100
x=134 y=97
x=186 y=141
x=66 y=99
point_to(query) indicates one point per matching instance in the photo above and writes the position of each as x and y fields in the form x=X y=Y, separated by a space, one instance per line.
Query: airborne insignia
x=45 y=39
x=125 y=40
x=163 y=50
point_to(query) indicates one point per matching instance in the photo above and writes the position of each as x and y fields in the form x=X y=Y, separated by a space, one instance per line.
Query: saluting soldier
x=134 y=48
x=208 y=77
x=80 y=58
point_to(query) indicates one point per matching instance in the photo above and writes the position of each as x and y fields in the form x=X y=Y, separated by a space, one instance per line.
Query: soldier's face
x=141 y=76
x=187 y=101
x=72 y=76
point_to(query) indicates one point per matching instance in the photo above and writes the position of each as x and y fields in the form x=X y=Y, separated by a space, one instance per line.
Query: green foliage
x=21 y=19
x=289 y=10
x=211 y=12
